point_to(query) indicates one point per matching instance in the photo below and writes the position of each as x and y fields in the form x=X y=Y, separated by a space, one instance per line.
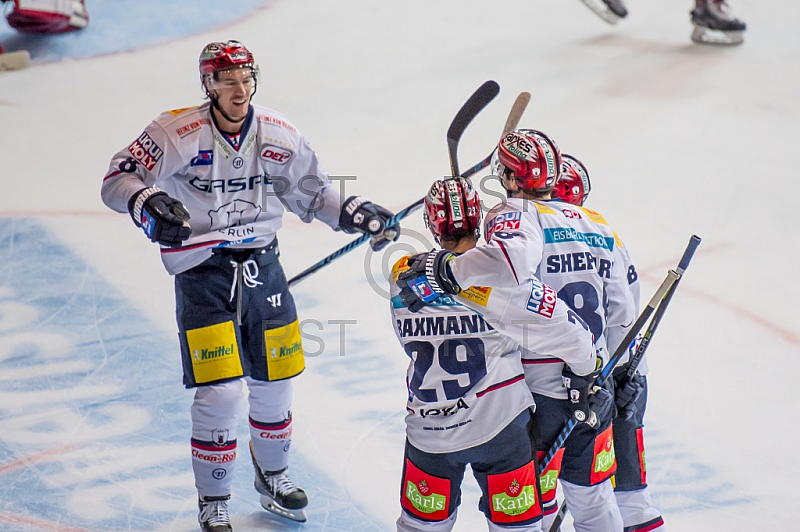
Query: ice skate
x=214 y=514
x=279 y=494
x=714 y=25
x=14 y=60
x=609 y=10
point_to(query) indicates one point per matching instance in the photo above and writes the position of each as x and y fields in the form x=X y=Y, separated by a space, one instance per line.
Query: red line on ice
x=41 y=524
x=34 y=458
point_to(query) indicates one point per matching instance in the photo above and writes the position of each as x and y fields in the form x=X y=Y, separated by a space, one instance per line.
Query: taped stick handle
x=694 y=241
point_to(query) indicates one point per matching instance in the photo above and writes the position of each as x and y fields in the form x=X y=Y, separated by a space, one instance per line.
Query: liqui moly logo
x=146 y=151
x=507 y=221
x=542 y=300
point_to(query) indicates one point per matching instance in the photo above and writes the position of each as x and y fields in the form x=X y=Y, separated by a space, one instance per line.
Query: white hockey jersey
x=569 y=248
x=465 y=379
x=235 y=188
x=615 y=334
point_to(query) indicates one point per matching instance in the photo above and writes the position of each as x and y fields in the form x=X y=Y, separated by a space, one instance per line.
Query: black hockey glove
x=428 y=276
x=627 y=393
x=361 y=216
x=162 y=218
x=578 y=390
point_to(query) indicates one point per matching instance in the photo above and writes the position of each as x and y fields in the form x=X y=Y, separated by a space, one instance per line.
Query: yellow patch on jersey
x=543 y=209
x=284 y=352
x=477 y=294
x=618 y=240
x=399 y=267
x=176 y=112
x=215 y=352
x=594 y=216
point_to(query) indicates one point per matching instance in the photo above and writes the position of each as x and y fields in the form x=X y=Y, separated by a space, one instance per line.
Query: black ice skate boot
x=609 y=10
x=279 y=494
x=713 y=24
x=214 y=514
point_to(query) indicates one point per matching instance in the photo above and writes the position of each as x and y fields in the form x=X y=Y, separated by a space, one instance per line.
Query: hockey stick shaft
x=555 y=526
x=615 y=358
x=636 y=358
x=694 y=241
x=476 y=103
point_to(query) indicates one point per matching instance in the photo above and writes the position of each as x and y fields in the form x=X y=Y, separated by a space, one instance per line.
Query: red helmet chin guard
x=452 y=209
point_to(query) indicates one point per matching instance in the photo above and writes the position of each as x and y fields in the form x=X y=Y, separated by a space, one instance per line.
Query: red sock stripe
x=211 y=446
x=645 y=527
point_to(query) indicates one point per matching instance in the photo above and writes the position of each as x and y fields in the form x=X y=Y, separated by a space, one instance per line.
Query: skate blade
x=601 y=10
x=271 y=506
x=703 y=35
x=14 y=60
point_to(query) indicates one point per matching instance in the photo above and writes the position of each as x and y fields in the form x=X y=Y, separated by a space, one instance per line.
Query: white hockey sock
x=271 y=423
x=636 y=508
x=593 y=508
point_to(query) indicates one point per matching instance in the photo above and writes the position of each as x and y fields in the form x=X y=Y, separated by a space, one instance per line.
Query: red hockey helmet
x=217 y=56
x=573 y=185
x=532 y=156
x=452 y=209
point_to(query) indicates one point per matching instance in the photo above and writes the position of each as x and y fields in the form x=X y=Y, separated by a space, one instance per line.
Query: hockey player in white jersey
x=530 y=237
x=210 y=185
x=467 y=398
x=630 y=483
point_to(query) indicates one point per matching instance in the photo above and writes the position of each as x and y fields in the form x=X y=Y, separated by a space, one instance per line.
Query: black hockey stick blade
x=474 y=105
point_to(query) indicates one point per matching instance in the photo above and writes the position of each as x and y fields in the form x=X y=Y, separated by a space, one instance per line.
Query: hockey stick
x=511 y=124
x=633 y=363
x=672 y=276
x=474 y=105
x=636 y=358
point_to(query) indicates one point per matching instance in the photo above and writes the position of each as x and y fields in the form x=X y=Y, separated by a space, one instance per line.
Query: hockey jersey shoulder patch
x=477 y=294
x=543 y=209
x=594 y=216
x=399 y=267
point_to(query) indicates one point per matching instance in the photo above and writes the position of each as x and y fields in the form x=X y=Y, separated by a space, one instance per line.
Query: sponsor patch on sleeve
x=503 y=222
x=477 y=294
x=542 y=299
x=399 y=267
x=146 y=151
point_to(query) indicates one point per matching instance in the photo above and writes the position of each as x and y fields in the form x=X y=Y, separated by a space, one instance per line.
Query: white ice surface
x=679 y=140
